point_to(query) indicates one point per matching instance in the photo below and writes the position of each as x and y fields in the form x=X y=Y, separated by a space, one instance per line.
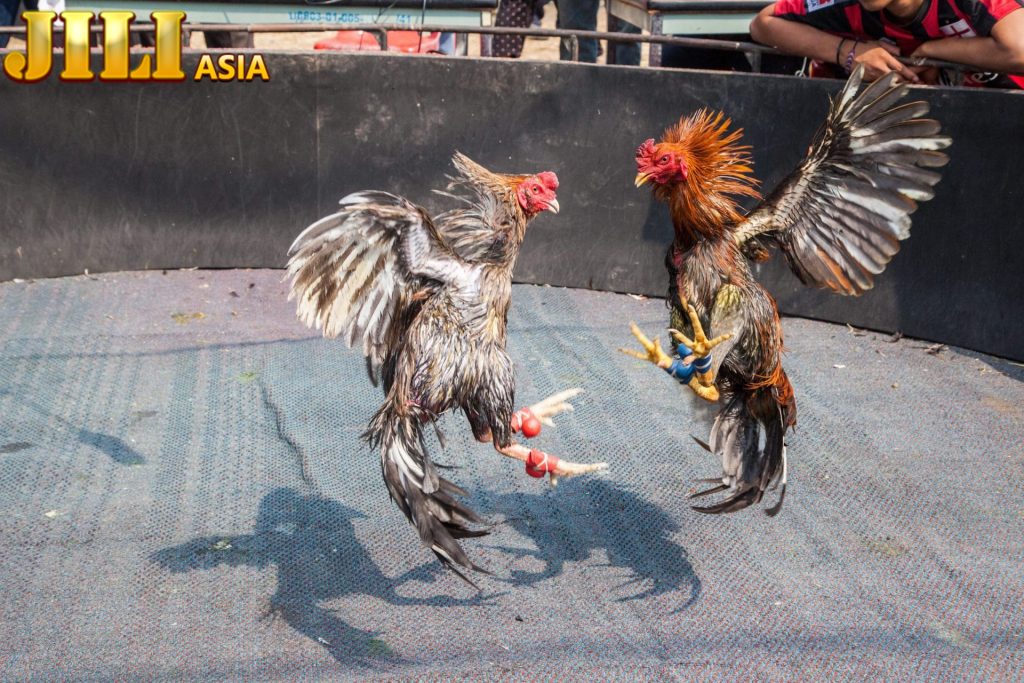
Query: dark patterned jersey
x=935 y=19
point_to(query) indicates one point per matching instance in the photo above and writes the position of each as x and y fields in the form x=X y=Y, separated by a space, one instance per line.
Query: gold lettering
x=227 y=67
x=39 y=61
x=257 y=68
x=76 y=46
x=168 y=46
x=116 y=25
x=205 y=69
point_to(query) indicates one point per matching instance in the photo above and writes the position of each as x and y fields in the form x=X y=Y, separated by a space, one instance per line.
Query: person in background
x=581 y=15
x=985 y=34
x=512 y=13
x=9 y=16
x=228 y=39
x=622 y=53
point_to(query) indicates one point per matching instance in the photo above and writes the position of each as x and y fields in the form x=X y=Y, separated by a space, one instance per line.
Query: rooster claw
x=572 y=469
x=554 y=405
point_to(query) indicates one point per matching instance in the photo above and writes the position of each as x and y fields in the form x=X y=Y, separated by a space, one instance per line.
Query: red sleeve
x=790 y=7
x=1000 y=8
x=824 y=15
x=983 y=14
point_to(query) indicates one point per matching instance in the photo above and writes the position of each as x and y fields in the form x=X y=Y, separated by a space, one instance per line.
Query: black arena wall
x=111 y=177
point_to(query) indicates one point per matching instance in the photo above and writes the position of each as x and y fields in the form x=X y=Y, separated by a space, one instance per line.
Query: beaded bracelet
x=851 y=55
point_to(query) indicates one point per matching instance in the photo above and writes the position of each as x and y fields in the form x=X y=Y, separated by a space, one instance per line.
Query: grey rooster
x=427 y=300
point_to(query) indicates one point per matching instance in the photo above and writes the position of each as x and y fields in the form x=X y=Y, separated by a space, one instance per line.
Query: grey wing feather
x=353 y=273
x=840 y=217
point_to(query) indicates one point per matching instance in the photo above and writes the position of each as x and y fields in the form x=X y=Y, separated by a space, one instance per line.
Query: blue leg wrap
x=703 y=364
x=680 y=370
x=684 y=371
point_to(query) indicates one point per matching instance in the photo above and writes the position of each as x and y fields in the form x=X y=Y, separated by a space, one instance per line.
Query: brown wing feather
x=840 y=217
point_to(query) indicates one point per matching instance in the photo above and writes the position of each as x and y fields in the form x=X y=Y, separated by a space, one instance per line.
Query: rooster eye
x=663 y=160
x=536 y=190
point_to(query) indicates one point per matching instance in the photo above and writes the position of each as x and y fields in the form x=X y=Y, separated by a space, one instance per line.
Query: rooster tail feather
x=427 y=499
x=747 y=468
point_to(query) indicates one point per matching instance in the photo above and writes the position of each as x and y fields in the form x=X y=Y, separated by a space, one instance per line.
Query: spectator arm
x=795 y=37
x=1003 y=51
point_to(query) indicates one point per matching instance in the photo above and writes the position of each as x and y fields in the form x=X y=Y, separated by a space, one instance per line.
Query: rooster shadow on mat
x=114 y=447
x=311 y=540
x=569 y=527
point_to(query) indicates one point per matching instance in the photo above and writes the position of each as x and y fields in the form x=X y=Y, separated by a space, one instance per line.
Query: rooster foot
x=704 y=387
x=652 y=349
x=572 y=469
x=553 y=405
x=538 y=463
x=700 y=345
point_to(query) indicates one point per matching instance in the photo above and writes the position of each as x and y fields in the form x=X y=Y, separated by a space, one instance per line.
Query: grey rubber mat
x=184 y=495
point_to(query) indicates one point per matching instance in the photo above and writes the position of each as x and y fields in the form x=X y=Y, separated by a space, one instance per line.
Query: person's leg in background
x=580 y=15
x=622 y=53
x=228 y=39
x=511 y=13
x=446 y=44
x=8 y=17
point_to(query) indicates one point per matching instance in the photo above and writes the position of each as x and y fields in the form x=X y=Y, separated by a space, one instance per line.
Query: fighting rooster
x=838 y=218
x=427 y=300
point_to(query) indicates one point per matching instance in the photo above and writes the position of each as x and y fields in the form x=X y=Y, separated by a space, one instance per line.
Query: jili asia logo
x=36 y=62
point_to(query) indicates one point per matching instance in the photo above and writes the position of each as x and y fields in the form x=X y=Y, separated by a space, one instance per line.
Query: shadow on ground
x=114 y=447
x=312 y=542
x=634 y=533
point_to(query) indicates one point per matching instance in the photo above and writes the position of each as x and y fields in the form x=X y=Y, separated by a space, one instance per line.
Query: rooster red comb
x=548 y=179
x=646 y=149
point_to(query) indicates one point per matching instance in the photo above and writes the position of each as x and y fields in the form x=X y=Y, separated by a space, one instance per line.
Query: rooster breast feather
x=356 y=273
x=840 y=217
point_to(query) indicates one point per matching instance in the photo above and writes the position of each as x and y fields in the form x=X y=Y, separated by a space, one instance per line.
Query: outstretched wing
x=840 y=216
x=356 y=273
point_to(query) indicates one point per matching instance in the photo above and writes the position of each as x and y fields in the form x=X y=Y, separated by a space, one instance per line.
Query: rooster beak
x=642 y=178
x=552 y=206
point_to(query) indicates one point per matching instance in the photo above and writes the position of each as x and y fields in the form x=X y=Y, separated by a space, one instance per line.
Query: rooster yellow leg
x=708 y=392
x=700 y=344
x=702 y=383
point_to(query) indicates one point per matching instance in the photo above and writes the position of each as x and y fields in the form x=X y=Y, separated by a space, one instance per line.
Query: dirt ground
x=542 y=49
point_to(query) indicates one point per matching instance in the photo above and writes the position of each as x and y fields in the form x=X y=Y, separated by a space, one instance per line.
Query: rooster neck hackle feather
x=719 y=169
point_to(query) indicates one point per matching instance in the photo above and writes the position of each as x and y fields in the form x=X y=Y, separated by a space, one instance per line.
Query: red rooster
x=427 y=299
x=838 y=218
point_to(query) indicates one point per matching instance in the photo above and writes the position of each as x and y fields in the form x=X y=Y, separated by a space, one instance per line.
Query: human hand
x=879 y=58
x=928 y=74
